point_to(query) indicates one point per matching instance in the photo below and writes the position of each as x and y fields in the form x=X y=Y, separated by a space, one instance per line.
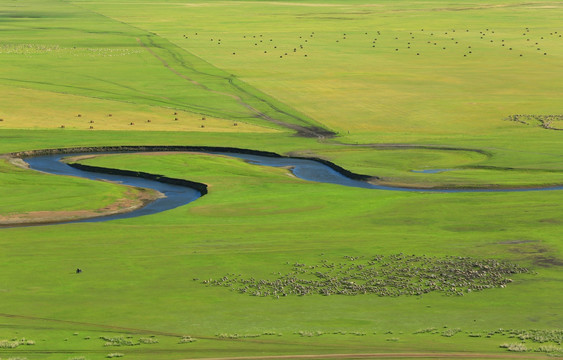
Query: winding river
x=175 y=195
x=178 y=195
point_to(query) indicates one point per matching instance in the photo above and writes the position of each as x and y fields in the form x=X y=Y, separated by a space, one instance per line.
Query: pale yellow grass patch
x=22 y=108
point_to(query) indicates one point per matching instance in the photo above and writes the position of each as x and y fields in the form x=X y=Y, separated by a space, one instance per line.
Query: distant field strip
x=116 y=67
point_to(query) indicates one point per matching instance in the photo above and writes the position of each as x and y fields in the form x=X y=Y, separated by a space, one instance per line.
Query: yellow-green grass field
x=86 y=113
x=94 y=72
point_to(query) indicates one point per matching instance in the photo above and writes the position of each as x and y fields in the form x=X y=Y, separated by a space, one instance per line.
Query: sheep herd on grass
x=545 y=121
x=382 y=275
x=417 y=42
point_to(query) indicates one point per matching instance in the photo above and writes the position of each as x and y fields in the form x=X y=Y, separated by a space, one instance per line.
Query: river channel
x=177 y=195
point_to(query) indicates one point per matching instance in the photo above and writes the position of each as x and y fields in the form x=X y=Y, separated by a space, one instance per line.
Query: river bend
x=177 y=195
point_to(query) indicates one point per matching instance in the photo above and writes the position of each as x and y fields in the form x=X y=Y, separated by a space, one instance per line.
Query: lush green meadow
x=403 y=85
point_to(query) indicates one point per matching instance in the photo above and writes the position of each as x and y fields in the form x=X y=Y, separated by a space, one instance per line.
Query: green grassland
x=256 y=219
x=195 y=69
x=67 y=193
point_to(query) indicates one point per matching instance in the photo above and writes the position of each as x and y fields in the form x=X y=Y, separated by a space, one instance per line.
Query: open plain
x=424 y=95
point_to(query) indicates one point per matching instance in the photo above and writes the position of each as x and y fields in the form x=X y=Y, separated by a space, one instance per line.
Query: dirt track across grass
x=383 y=356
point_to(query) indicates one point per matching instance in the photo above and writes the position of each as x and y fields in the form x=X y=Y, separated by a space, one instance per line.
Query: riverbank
x=135 y=199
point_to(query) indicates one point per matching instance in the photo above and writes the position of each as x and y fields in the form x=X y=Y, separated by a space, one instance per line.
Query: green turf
x=142 y=60
x=56 y=193
x=256 y=219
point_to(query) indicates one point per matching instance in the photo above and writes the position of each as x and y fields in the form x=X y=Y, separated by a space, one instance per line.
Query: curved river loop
x=178 y=192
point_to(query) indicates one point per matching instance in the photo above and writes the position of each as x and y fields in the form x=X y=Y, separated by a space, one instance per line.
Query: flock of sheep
x=545 y=121
x=390 y=275
x=416 y=41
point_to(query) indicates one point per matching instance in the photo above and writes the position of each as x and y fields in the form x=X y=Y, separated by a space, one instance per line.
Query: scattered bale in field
x=91 y=127
x=91 y=121
x=148 y=120
x=110 y=115
x=132 y=123
x=79 y=115
x=62 y=126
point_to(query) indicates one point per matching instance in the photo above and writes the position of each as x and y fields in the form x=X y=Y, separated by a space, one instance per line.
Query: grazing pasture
x=433 y=94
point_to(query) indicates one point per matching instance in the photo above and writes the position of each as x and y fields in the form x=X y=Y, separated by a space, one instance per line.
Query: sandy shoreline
x=135 y=198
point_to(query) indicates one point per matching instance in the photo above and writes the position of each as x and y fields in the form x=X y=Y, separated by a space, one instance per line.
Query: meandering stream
x=176 y=195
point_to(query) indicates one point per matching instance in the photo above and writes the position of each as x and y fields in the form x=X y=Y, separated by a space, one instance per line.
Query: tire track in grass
x=101 y=326
x=419 y=355
x=315 y=130
x=124 y=329
x=411 y=355
x=301 y=130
